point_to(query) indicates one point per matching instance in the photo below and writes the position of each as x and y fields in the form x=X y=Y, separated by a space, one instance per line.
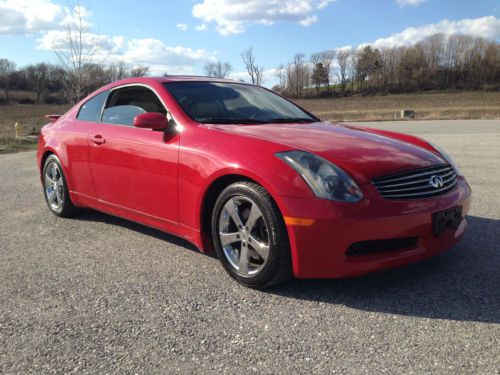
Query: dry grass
x=31 y=116
x=427 y=106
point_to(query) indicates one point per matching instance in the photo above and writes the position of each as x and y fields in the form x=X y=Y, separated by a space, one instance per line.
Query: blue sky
x=181 y=36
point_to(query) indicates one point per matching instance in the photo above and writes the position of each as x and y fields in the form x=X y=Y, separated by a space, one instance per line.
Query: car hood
x=358 y=151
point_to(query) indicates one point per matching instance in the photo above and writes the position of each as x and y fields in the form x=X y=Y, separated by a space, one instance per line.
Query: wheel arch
x=44 y=157
x=54 y=147
x=50 y=151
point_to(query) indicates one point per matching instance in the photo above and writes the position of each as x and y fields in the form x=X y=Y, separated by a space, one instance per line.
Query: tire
x=55 y=188
x=250 y=236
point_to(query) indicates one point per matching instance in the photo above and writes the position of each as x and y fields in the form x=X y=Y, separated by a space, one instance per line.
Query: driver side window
x=126 y=103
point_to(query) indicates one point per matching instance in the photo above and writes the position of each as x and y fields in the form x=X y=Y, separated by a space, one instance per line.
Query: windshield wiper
x=291 y=119
x=230 y=121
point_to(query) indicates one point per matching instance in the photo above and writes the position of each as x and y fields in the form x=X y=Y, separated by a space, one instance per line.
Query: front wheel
x=250 y=236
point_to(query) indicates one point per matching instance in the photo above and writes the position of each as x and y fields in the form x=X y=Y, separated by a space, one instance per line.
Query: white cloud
x=201 y=27
x=322 y=4
x=50 y=21
x=345 y=48
x=76 y=17
x=233 y=16
x=309 y=20
x=57 y=41
x=413 y=3
x=25 y=16
x=486 y=27
x=154 y=53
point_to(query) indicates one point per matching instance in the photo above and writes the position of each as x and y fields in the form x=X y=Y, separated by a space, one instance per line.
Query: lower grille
x=418 y=183
x=380 y=246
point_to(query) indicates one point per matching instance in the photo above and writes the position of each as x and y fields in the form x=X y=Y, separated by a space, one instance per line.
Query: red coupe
x=235 y=168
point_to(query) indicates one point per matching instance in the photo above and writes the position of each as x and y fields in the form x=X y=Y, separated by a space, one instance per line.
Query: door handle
x=98 y=139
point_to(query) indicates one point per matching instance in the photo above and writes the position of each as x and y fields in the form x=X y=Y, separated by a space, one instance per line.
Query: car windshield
x=234 y=103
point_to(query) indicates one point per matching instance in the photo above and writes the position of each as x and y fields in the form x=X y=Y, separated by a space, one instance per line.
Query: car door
x=74 y=133
x=134 y=170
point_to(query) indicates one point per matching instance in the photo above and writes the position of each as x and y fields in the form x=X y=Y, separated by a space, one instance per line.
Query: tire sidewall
x=271 y=220
x=66 y=201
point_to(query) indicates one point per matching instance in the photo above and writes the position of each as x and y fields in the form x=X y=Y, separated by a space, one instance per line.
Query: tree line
x=52 y=84
x=438 y=62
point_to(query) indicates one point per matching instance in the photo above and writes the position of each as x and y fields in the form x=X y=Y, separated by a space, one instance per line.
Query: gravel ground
x=97 y=294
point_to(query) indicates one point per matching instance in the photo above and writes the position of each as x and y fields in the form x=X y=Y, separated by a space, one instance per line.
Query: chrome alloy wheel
x=244 y=236
x=54 y=187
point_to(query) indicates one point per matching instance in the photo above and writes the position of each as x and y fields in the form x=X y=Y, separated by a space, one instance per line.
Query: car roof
x=151 y=80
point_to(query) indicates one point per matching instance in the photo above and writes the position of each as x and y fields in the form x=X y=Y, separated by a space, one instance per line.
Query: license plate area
x=449 y=218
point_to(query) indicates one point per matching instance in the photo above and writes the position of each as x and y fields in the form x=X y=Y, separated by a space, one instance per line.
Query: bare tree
x=118 y=71
x=77 y=52
x=290 y=79
x=96 y=75
x=318 y=73
x=7 y=67
x=255 y=72
x=351 y=68
x=434 y=47
x=139 y=71
x=280 y=73
x=368 y=67
x=38 y=76
x=343 y=57
x=298 y=77
x=217 y=69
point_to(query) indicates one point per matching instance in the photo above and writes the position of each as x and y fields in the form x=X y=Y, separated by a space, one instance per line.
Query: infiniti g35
x=237 y=169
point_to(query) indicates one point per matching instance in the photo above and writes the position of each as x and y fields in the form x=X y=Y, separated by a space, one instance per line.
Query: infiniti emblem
x=436 y=181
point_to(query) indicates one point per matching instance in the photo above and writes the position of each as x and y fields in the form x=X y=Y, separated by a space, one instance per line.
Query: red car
x=235 y=168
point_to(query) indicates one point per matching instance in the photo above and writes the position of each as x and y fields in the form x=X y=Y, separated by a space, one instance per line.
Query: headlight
x=325 y=179
x=447 y=158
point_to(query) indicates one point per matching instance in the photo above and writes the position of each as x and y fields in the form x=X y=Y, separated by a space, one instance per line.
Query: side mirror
x=151 y=120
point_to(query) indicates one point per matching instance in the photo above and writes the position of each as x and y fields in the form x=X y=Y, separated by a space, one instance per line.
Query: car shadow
x=96 y=216
x=461 y=284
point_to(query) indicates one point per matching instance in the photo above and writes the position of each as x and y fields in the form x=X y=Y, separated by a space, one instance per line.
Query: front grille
x=416 y=184
x=380 y=246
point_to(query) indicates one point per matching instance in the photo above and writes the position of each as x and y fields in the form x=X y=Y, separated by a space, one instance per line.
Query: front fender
x=207 y=154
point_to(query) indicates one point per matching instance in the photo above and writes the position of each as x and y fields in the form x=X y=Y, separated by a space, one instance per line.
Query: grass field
x=31 y=116
x=428 y=106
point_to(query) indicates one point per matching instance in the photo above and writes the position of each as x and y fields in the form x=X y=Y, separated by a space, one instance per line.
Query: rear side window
x=91 y=110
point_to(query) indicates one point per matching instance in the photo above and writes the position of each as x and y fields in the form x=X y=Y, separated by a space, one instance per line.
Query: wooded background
x=439 y=62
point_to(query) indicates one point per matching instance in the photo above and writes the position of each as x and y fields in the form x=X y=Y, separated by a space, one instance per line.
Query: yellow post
x=19 y=129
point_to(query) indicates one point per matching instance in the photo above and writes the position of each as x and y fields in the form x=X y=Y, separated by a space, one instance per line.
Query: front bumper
x=319 y=250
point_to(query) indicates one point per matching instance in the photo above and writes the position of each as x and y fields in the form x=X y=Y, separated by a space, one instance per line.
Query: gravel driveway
x=97 y=294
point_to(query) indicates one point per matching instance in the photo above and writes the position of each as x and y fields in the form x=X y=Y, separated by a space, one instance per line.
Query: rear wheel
x=55 y=188
x=250 y=236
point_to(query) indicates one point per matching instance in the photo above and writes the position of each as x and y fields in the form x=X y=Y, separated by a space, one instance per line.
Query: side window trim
x=108 y=92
